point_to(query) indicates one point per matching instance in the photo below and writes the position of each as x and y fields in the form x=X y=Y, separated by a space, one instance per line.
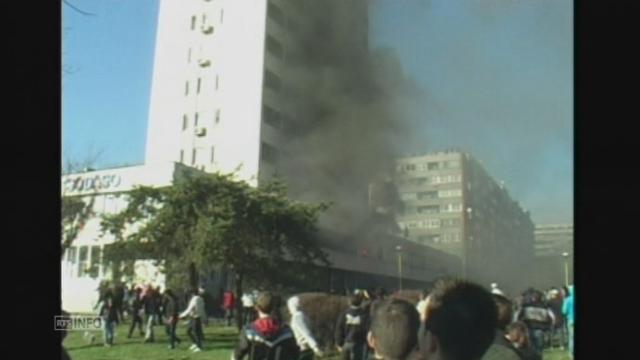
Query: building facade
x=367 y=259
x=452 y=204
x=553 y=254
x=82 y=265
x=224 y=70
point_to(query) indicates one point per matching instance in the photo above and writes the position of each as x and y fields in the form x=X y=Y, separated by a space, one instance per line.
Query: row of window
x=269 y=153
x=200 y=86
x=445 y=238
x=203 y=25
x=429 y=166
x=196 y=118
x=435 y=194
x=430 y=223
x=435 y=209
x=194 y=155
x=436 y=179
x=86 y=260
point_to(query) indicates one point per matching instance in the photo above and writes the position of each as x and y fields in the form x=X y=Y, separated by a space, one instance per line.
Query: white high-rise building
x=219 y=98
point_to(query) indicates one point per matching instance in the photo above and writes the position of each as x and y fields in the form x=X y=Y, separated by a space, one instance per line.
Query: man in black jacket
x=351 y=330
x=266 y=338
x=502 y=349
x=136 y=309
x=170 y=308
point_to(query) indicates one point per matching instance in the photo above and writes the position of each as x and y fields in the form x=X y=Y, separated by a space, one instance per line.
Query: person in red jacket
x=228 y=303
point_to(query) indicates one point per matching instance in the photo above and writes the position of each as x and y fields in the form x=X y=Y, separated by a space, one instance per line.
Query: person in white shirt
x=299 y=324
x=248 y=311
x=196 y=313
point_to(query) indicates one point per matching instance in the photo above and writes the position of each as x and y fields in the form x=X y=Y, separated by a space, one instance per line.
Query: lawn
x=218 y=345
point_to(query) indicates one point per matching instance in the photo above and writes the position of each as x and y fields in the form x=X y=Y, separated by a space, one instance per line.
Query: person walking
x=135 y=306
x=568 y=312
x=351 y=330
x=300 y=326
x=109 y=314
x=151 y=312
x=170 y=309
x=196 y=312
x=228 y=303
x=248 y=312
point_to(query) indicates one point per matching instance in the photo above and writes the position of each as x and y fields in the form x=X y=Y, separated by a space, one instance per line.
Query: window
x=182 y=156
x=204 y=19
x=420 y=181
x=275 y=14
x=429 y=209
x=432 y=166
x=212 y=154
x=71 y=254
x=453 y=164
x=195 y=120
x=271 y=117
x=189 y=56
x=269 y=153
x=186 y=89
x=217 y=78
x=95 y=261
x=198 y=85
x=193 y=157
x=193 y=22
x=274 y=47
x=82 y=260
x=272 y=81
x=408 y=196
x=185 y=122
x=217 y=116
x=450 y=193
x=427 y=195
x=411 y=167
x=451 y=207
x=450 y=222
x=221 y=15
x=431 y=223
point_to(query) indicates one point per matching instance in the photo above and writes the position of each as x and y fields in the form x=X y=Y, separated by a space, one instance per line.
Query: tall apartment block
x=451 y=203
x=553 y=254
x=222 y=96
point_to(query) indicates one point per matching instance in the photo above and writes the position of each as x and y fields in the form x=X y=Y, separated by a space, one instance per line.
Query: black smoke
x=350 y=110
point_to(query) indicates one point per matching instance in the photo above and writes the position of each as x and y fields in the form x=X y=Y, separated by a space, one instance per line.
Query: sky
x=497 y=79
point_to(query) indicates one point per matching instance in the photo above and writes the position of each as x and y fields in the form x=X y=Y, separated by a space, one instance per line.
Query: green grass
x=218 y=345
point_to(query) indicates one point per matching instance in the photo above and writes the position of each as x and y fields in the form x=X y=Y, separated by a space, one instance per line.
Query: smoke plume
x=351 y=115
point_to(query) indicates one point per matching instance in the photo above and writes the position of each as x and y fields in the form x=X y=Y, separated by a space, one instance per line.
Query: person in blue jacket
x=568 y=312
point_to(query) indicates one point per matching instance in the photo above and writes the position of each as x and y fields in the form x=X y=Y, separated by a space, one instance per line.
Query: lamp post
x=565 y=255
x=467 y=238
x=399 y=250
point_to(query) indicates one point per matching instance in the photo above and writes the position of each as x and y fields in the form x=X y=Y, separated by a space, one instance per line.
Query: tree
x=75 y=213
x=205 y=219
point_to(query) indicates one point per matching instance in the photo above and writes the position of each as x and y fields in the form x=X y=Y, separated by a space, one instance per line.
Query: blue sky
x=497 y=77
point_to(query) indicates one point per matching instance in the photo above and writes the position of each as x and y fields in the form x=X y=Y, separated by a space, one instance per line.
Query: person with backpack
x=537 y=316
x=135 y=306
x=351 y=330
x=266 y=338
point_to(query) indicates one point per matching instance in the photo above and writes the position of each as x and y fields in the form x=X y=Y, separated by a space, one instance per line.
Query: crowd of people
x=455 y=320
